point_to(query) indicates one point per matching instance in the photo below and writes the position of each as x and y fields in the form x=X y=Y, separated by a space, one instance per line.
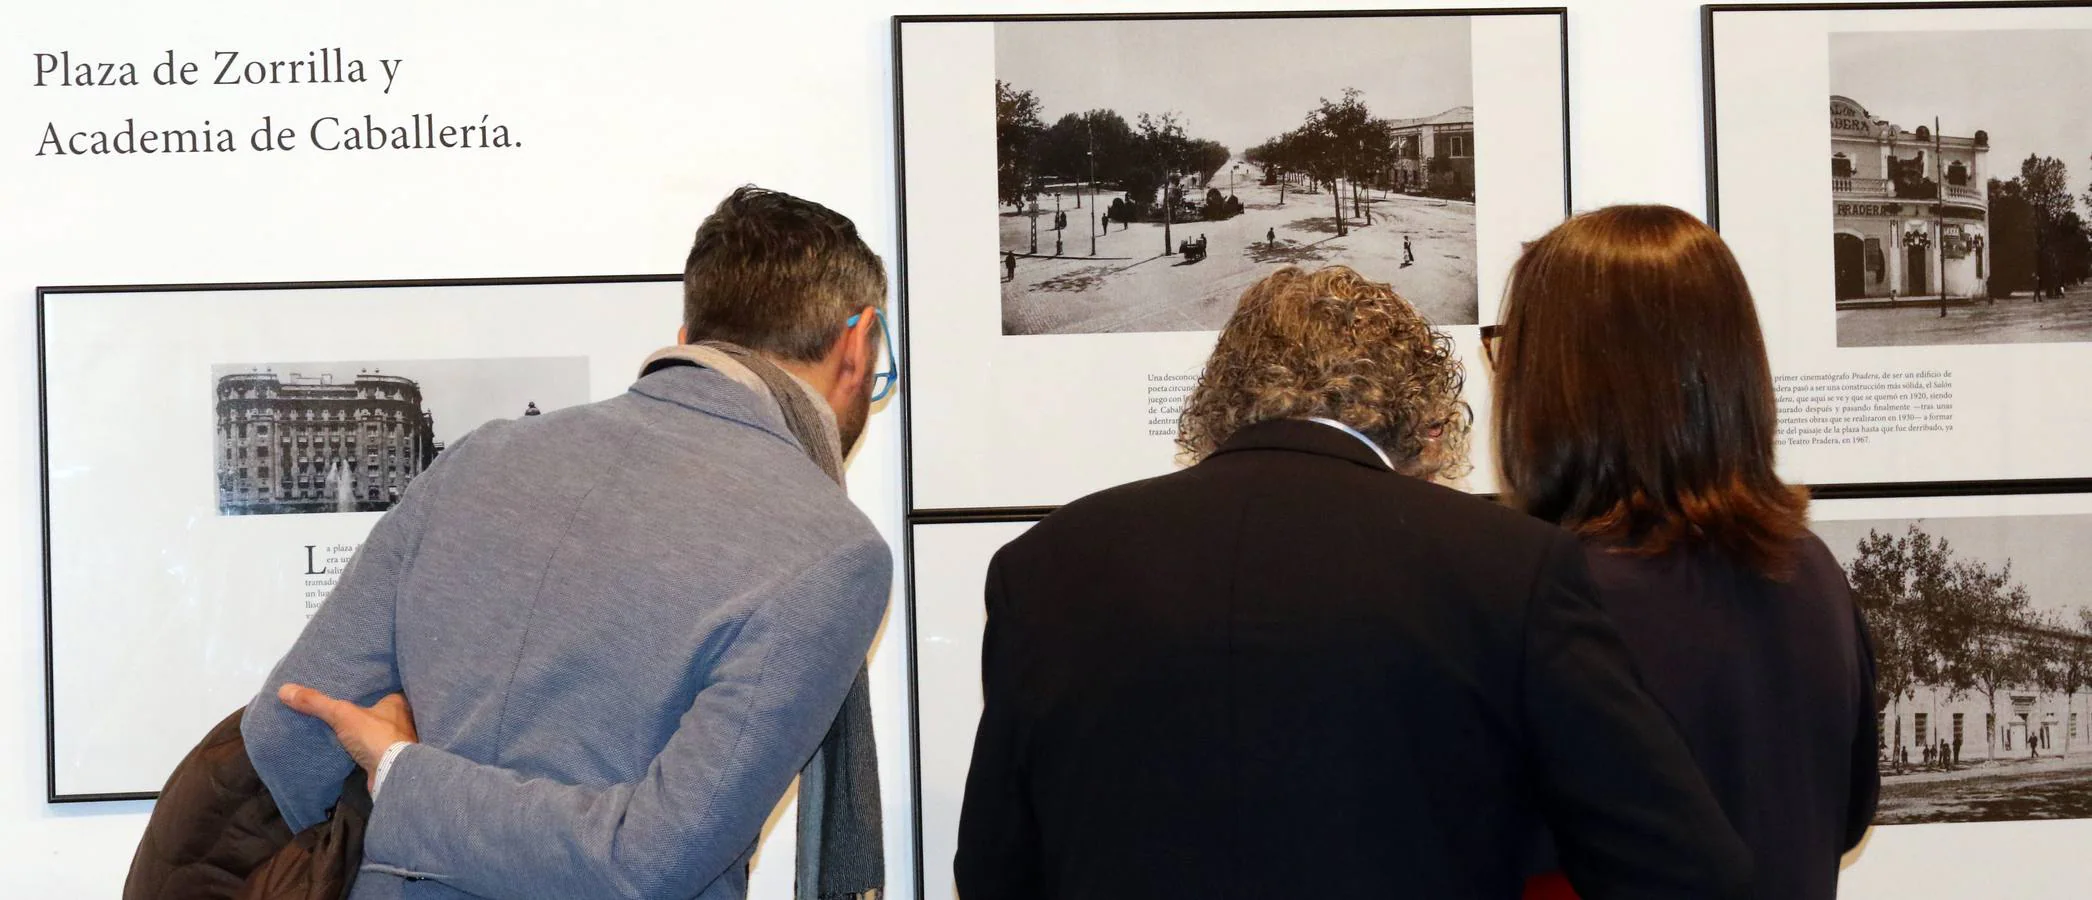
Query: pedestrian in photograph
x=1271 y=237
x=1009 y=265
x=1408 y=253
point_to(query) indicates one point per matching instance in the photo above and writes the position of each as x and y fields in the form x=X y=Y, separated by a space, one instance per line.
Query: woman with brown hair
x=1634 y=407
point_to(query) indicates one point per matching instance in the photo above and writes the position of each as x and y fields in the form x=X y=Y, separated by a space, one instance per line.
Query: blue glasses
x=883 y=380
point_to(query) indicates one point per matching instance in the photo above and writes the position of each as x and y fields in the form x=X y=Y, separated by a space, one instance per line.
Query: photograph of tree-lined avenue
x=1984 y=663
x=1148 y=171
x=1961 y=182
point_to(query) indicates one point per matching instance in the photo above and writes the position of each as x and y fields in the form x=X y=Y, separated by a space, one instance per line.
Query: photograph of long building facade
x=1984 y=663
x=350 y=437
x=1954 y=219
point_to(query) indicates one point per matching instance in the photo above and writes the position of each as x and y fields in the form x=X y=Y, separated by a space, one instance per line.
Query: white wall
x=643 y=114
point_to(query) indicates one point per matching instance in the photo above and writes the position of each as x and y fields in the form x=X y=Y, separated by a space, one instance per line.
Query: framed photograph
x=948 y=585
x=1984 y=651
x=214 y=454
x=1927 y=299
x=1084 y=198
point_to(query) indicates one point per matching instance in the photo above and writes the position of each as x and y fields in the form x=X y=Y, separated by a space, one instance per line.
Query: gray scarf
x=842 y=851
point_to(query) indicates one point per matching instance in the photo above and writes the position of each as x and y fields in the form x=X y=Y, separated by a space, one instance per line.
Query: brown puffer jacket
x=215 y=834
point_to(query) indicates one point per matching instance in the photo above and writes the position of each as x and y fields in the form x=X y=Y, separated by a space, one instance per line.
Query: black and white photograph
x=1961 y=174
x=1983 y=639
x=1148 y=171
x=347 y=437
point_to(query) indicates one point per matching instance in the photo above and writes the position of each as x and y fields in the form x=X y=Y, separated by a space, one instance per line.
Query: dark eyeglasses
x=1492 y=338
x=883 y=380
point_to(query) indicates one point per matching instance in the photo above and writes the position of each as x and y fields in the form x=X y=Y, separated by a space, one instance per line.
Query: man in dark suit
x=1299 y=668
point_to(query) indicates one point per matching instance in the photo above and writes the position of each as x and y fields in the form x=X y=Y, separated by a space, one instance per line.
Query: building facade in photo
x=1436 y=154
x=2024 y=720
x=295 y=444
x=1910 y=208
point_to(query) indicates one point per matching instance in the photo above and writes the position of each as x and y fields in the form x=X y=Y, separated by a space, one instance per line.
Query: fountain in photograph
x=343 y=485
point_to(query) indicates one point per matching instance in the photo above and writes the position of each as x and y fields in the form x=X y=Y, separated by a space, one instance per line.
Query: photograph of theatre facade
x=1984 y=664
x=1910 y=214
x=295 y=444
x=1956 y=219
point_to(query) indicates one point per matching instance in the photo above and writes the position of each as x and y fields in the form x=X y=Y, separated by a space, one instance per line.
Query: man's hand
x=363 y=731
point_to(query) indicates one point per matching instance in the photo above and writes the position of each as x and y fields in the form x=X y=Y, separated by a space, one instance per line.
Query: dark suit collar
x=1302 y=436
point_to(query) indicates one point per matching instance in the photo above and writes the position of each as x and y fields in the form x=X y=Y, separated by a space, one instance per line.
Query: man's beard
x=849 y=422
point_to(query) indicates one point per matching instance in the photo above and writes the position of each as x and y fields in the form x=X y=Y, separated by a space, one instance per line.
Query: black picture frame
x=44 y=295
x=1710 y=134
x=912 y=515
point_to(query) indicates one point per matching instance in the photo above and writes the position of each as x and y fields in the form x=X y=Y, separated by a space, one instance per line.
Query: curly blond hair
x=1334 y=345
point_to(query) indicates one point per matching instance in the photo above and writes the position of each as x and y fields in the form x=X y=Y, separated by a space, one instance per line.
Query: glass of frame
x=1924 y=294
x=213 y=455
x=1085 y=197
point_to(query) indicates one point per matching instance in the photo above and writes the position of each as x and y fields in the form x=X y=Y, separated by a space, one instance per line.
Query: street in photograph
x=1148 y=171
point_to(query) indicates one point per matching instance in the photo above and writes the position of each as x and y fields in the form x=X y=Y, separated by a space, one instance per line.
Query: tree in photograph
x=1265 y=157
x=2011 y=247
x=1880 y=578
x=1204 y=159
x=1091 y=147
x=2045 y=184
x=1319 y=156
x=1278 y=157
x=1346 y=126
x=2078 y=653
x=1017 y=126
x=2064 y=664
x=2087 y=196
x=1979 y=622
x=1163 y=151
x=2072 y=248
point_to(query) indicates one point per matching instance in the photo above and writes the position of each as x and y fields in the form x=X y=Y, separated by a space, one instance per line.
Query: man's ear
x=683 y=335
x=857 y=353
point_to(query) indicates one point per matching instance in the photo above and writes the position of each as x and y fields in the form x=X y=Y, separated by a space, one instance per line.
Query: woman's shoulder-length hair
x=1634 y=402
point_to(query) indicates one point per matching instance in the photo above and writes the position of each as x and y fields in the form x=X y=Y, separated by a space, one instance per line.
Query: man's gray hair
x=778 y=275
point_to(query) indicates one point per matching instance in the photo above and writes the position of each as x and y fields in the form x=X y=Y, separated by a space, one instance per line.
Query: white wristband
x=377 y=782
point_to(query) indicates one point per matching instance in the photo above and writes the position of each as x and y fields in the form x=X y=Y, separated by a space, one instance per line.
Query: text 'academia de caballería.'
x=420 y=131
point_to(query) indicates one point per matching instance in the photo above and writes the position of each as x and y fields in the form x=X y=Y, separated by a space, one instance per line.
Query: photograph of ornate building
x=350 y=437
x=1955 y=214
x=1911 y=208
x=298 y=444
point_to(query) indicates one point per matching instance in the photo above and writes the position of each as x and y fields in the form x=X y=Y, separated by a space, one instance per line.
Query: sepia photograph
x=1148 y=171
x=341 y=437
x=1984 y=663
x=1960 y=186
